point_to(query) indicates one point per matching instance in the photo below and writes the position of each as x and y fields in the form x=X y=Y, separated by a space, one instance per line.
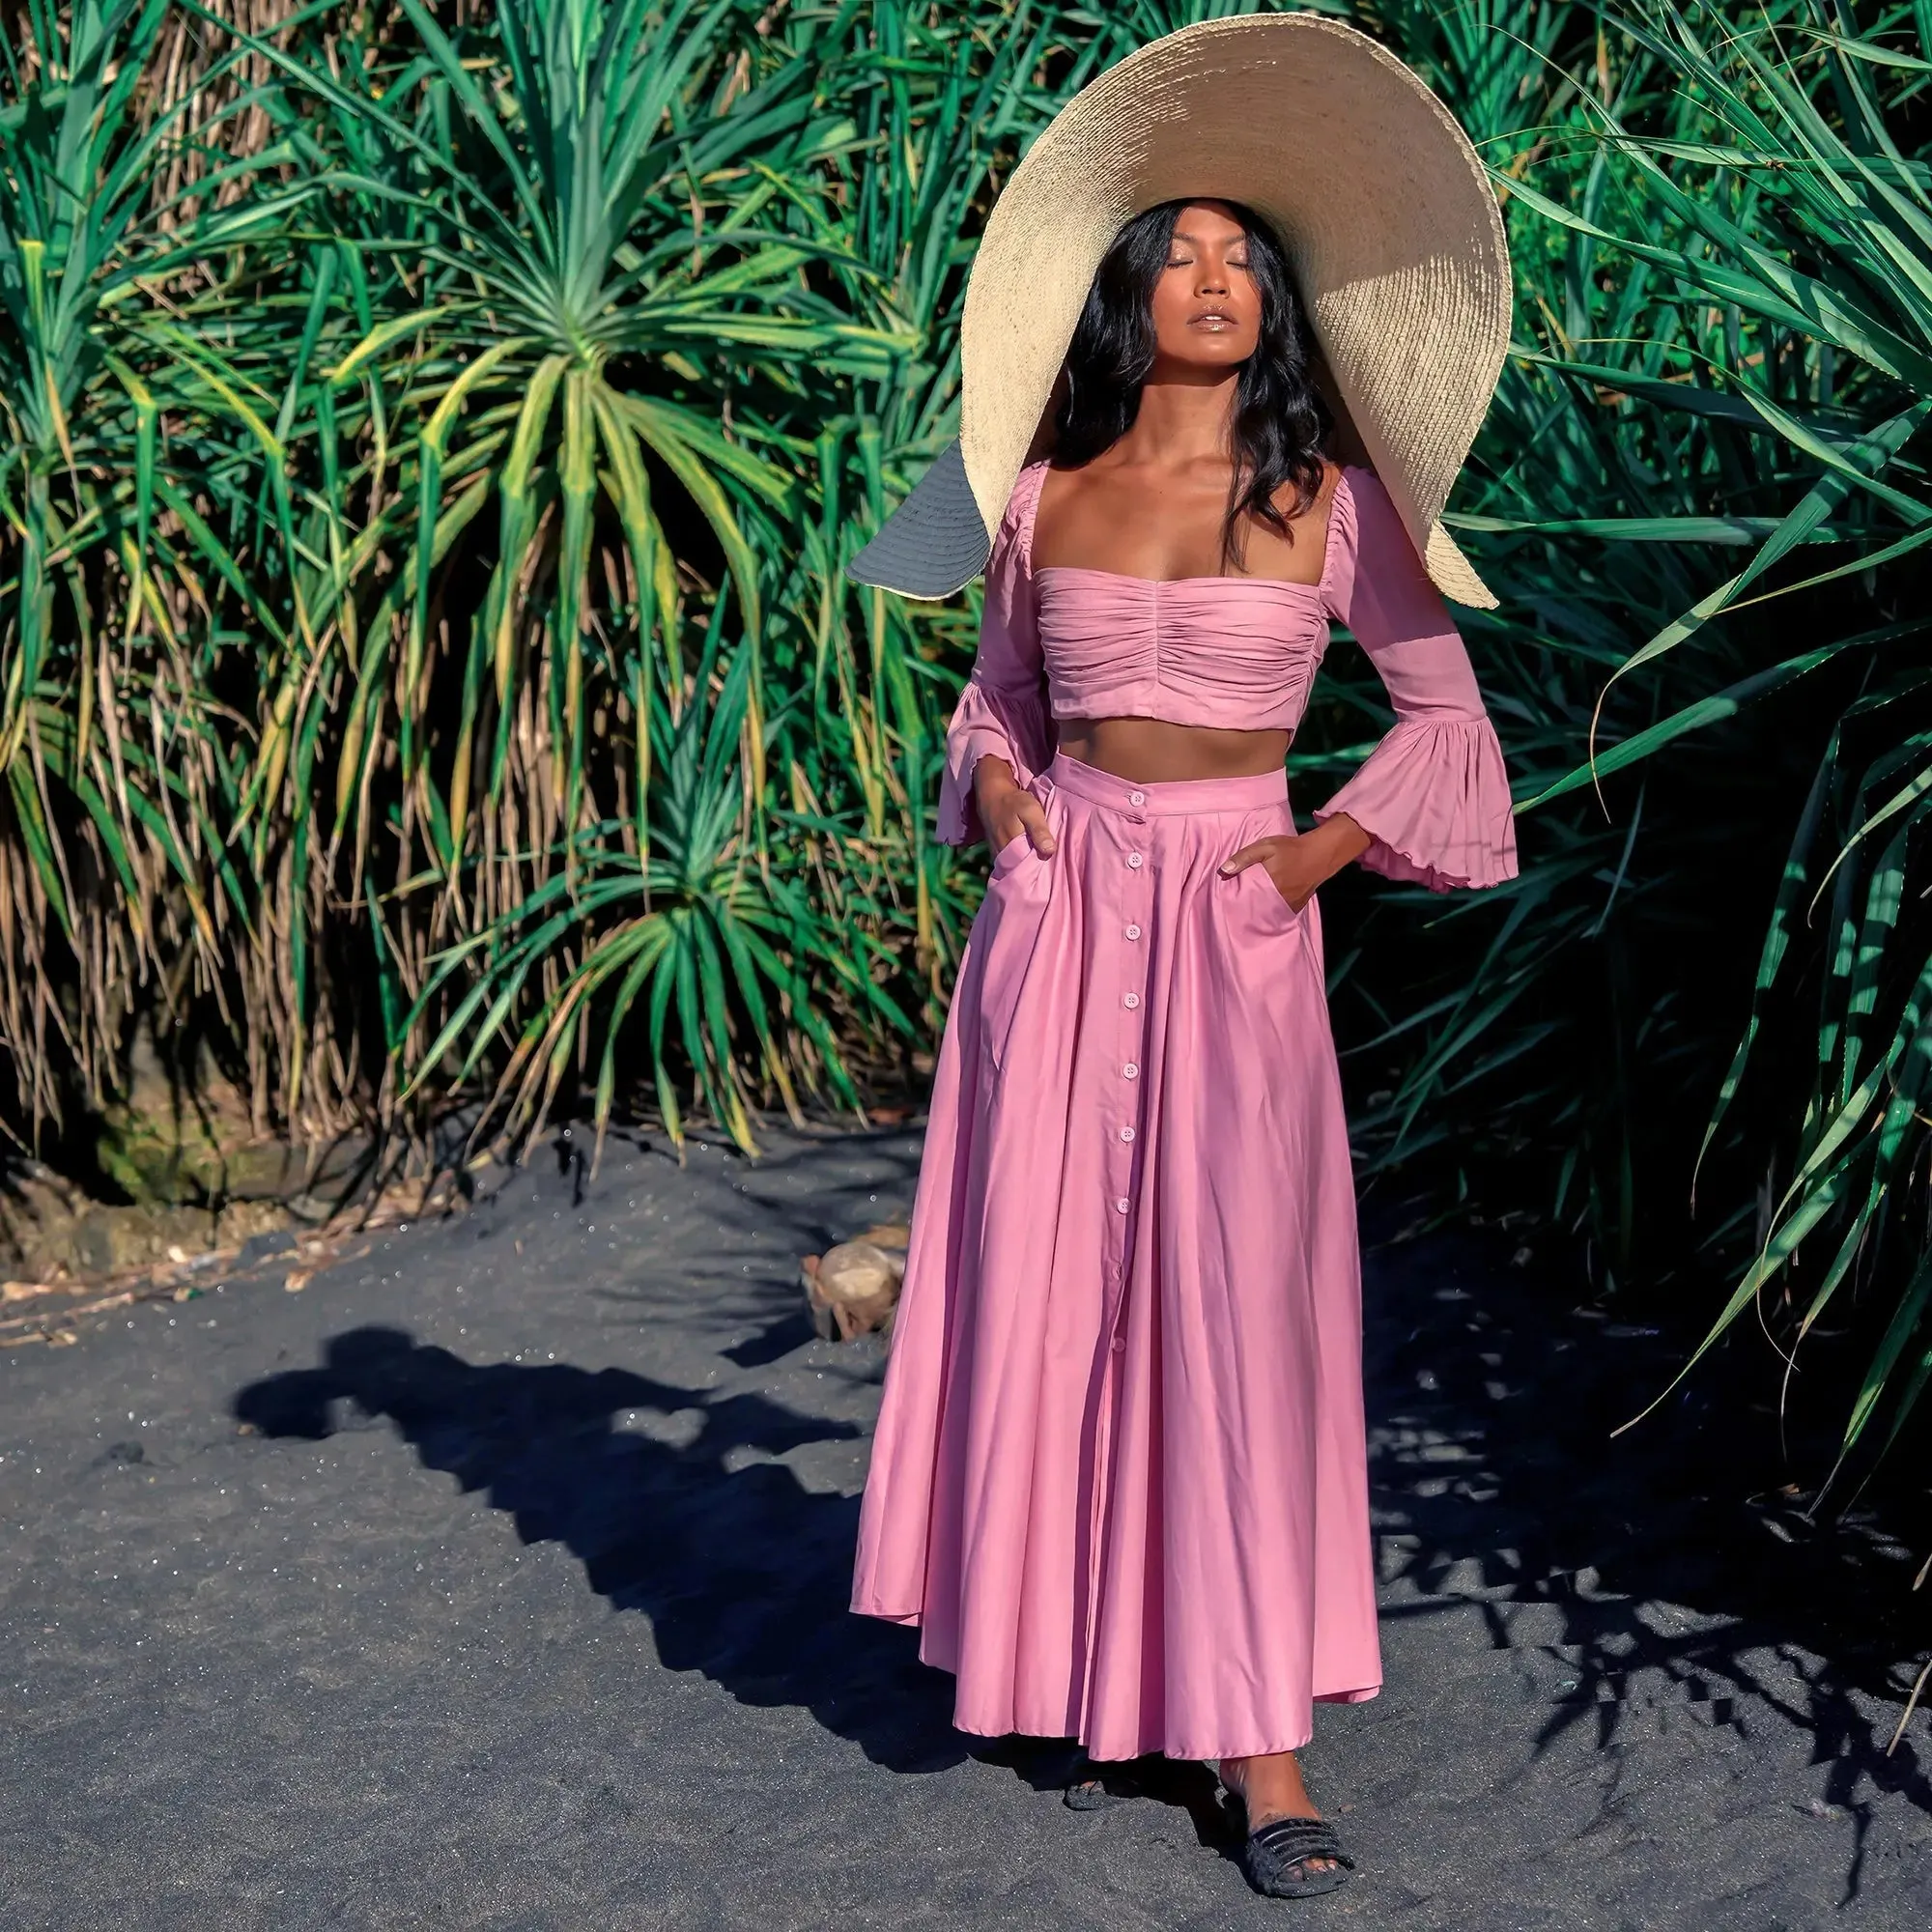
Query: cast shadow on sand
x=1495 y=1481
x=743 y=1571
x=1672 y=1565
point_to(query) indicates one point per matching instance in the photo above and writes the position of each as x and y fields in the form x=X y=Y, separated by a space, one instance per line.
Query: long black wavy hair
x=1280 y=420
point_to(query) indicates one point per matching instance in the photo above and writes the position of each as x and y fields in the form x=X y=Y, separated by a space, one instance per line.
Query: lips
x=1213 y=318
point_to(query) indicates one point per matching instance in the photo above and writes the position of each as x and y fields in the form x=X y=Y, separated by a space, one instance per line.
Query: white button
x=1122 y=1206
x=1133 y=932
x=1132 y=1000
x=1126 y=1133
x=1131 y=1071
x=1135 y=860
x=1137 y=798
x=1120 y=1343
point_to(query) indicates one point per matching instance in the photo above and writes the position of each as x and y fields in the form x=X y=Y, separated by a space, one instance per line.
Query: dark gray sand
x=497 y=1579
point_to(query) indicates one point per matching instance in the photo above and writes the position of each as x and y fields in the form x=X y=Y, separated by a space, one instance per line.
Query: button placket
x=1122 y=1168
x=1124 y=1165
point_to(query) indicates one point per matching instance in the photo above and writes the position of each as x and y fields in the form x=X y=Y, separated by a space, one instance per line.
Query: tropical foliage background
x=430 y=435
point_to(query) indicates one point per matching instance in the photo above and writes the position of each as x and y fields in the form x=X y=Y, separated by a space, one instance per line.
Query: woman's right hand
x=1007 y=809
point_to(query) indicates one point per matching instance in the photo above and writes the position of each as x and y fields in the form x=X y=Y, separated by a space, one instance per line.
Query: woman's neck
x=1184 y=417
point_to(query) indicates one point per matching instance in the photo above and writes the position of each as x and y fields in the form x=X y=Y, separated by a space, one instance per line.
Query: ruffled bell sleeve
x=1002 y=712
x=1433 y=796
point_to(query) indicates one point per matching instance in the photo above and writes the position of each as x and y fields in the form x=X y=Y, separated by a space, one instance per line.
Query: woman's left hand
x=1299 y=864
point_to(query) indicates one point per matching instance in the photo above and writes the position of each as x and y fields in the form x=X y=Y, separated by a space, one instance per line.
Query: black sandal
x=1275 y=1859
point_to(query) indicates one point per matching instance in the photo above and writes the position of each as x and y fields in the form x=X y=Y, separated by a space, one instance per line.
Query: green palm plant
x=935 y=113
x=1777 y=245
x=119 y=416
x=550 y=283
x=707 y=927
x=583 y=260
x=426 y=577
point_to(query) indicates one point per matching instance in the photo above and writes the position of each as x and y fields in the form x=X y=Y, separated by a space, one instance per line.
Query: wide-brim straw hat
x=1390 y=225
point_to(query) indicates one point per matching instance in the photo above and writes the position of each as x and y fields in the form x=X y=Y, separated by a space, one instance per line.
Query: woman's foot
x=1096 y=1783
x=1270 y=1789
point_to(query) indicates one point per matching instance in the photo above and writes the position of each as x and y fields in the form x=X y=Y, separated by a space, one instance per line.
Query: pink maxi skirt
x=1119 y=1479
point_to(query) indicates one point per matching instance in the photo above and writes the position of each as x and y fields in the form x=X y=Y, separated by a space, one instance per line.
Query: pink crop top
x=1242 y=652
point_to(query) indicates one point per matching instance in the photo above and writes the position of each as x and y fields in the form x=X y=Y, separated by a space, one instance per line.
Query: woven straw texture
x=1393 y=233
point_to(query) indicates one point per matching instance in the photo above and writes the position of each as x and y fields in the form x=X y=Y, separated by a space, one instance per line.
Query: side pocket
x=1257 y=898
x=1270 y=908
x=1011 y=855
x=1019 y=847
x=1007 y=934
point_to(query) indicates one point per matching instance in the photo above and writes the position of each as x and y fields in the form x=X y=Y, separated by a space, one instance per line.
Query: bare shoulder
x=1054 y=487
x=1078 y=491
x=1287 y=498
x=1061 y=480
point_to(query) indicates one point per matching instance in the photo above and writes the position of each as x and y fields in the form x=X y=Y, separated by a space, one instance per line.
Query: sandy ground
x=497 y=1578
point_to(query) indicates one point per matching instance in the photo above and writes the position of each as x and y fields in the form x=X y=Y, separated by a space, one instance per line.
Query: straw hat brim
x=1389 y=220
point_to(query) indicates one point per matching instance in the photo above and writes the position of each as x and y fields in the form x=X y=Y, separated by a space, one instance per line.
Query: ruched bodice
x=1241 y=653
x=1194 y=650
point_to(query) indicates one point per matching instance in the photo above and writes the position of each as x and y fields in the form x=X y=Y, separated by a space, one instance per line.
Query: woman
x=1120 y=1478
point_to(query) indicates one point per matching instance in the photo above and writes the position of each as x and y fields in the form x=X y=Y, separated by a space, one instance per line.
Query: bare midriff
x=1147 y=750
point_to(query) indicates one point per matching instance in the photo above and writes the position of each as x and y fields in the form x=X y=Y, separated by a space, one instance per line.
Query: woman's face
x=1206 y=309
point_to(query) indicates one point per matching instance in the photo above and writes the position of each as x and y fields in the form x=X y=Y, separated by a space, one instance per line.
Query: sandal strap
x=1293 y=1841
